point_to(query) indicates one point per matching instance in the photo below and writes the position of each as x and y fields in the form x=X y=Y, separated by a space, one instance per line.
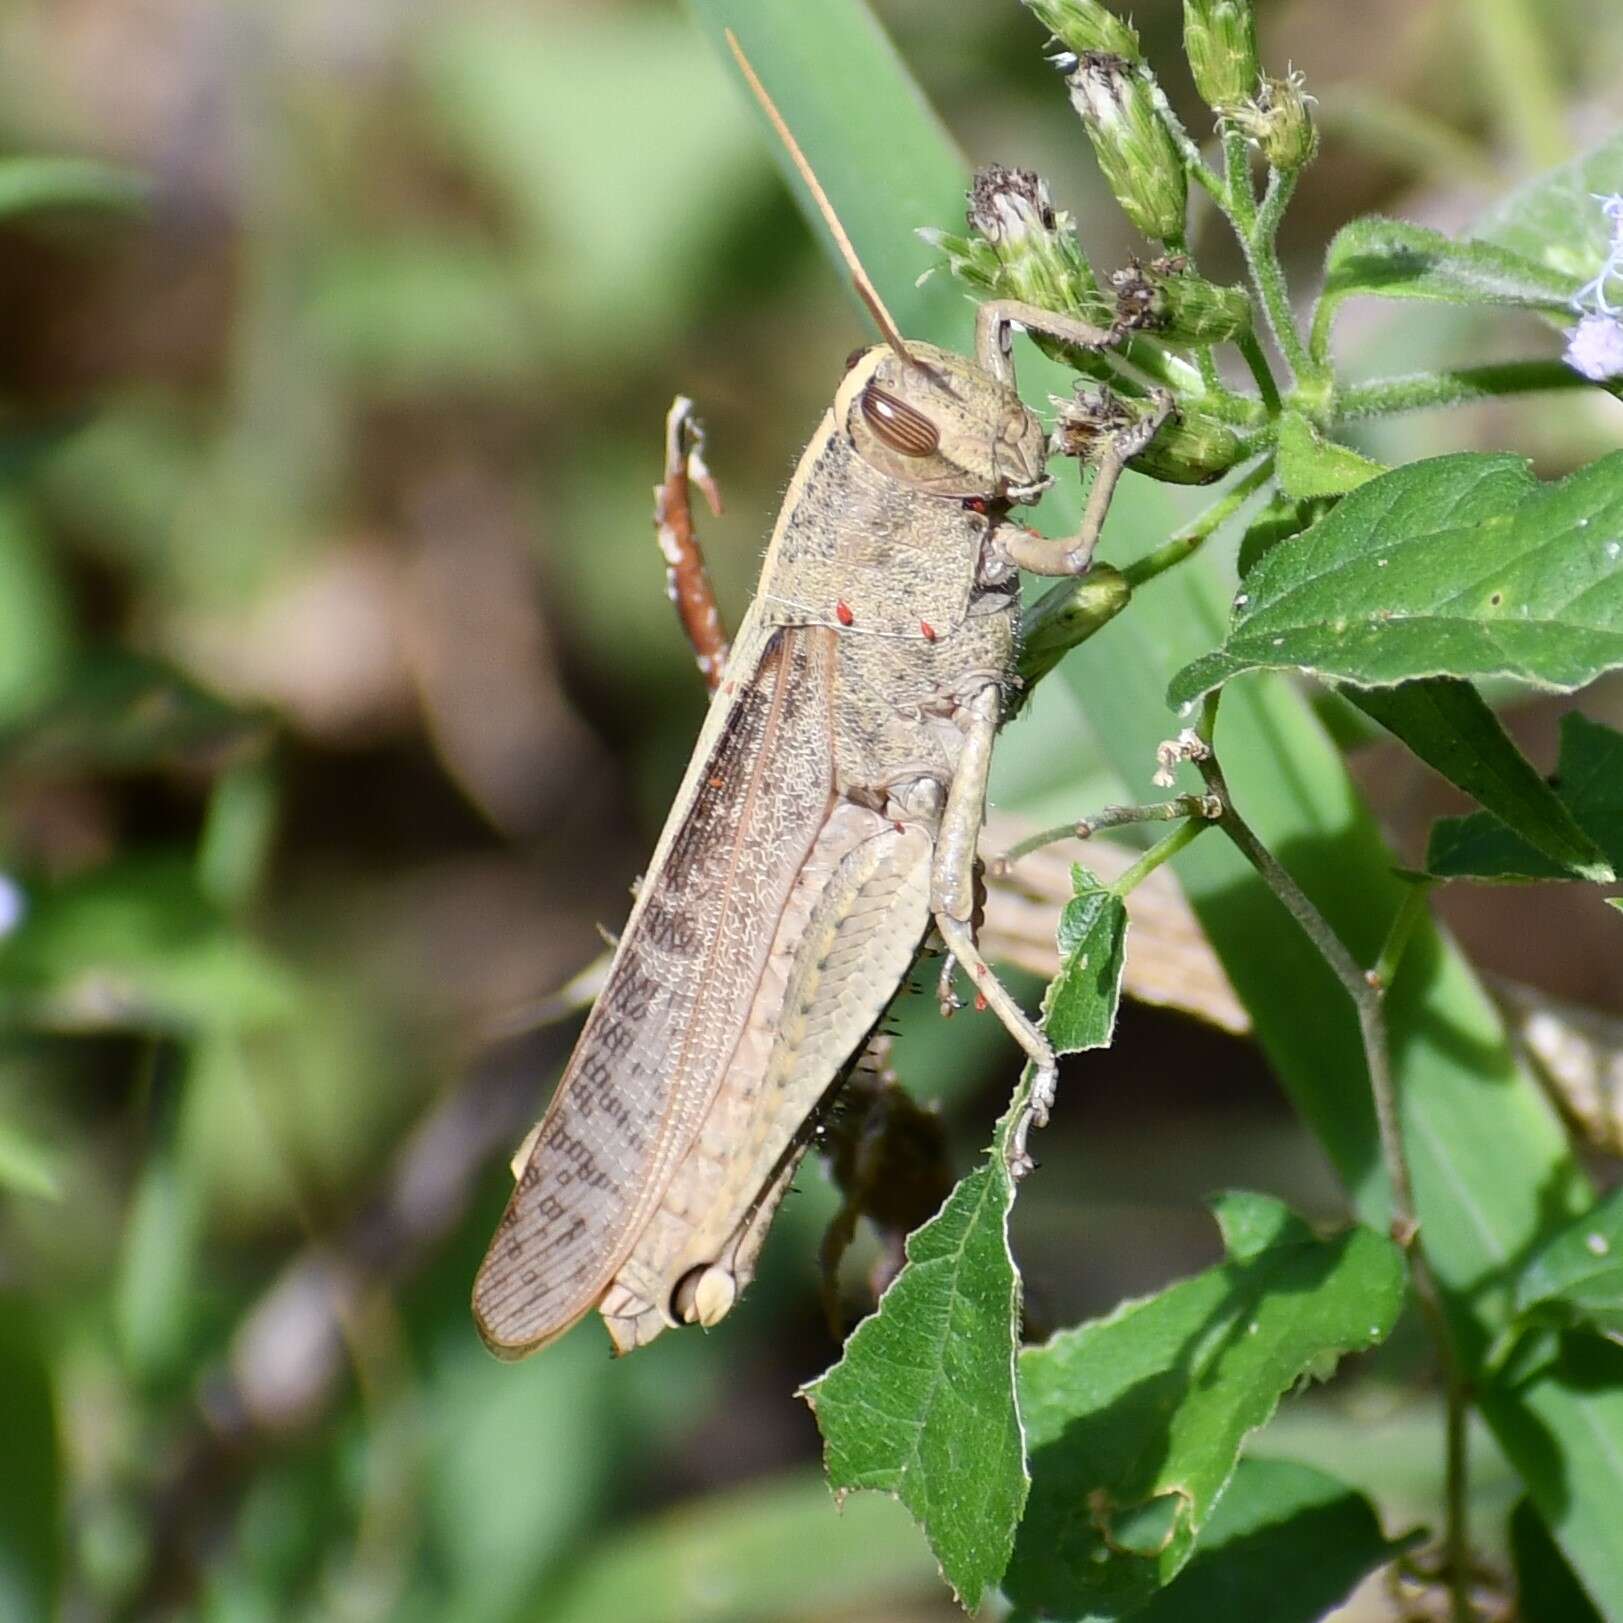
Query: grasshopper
x=828 y=819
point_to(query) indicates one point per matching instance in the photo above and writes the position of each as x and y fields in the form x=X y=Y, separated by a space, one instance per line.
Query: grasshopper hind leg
x=952 y=904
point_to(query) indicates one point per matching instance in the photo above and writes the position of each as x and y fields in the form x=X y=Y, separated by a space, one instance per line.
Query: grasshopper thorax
x=942 y=425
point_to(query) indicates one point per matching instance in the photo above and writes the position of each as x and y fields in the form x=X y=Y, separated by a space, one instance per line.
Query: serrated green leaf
x=1080 y=1009
x=1546 y=1590
x=1577 y=1279
x=1394 y=259
x=1135 y=1422
x=1286 y=1544
x=1310 y=466
x=28 y=185
x=1458 y=566
x=923 y=1402
x=1452 y=728
x=1589 y=785
x=1282 y=518
x=1554 y=218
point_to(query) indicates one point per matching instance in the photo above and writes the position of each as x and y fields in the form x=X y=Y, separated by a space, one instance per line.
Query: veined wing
x=659 y=1039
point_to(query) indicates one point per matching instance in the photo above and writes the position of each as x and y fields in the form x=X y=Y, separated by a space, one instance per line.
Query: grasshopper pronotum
x=828 y=817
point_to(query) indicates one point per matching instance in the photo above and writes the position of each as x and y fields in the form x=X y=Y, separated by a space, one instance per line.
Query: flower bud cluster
x=1021 y=247
x=1167 y=299
x=1190 y=448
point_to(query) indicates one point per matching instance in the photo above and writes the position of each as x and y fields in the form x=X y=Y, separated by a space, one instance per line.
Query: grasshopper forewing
x=829 y=816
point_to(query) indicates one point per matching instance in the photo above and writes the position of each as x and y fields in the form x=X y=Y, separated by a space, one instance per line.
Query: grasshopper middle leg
x=952 y=902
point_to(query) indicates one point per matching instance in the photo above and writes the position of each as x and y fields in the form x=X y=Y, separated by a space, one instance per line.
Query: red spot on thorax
x=842 y=613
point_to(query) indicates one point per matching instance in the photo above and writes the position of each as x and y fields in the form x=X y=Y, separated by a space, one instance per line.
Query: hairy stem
x=1161 y=811
x=1385 y=397
x=1367 y=995
x=1256 y=231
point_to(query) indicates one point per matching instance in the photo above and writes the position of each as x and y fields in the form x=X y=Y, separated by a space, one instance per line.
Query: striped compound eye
x=900 y=426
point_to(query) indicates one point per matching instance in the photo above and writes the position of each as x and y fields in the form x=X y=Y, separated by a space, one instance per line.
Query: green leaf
x=1458 y=566
x=923 y=1402
x=30 y=1484
x=1554 y=218
x=1279 y=520
x=1452 y=728
x=28 y=185
x=1577 y=1279
x=1286 y=1544
x=1310 y=466
x=1589 y=785
x=1392 y=259
x=1082 y=1001
x=1546 y=1590
x=1135 y=1422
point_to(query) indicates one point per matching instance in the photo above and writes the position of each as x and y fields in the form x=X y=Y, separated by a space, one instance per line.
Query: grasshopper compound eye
x=898 y=424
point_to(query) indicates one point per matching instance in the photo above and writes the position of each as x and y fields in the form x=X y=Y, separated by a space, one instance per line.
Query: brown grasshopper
x=828 y=818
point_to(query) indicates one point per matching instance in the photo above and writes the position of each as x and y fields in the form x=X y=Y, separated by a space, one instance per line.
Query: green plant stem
x=1162 y=851
x=1261 y=371
x=1160 y=811
x=1189 y=539
x=1368 y=999
x=1384 y=397
x=1399 y=936
x=1255 y=231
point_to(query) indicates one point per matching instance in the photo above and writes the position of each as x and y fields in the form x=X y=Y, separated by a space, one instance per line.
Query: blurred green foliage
x=339 y=698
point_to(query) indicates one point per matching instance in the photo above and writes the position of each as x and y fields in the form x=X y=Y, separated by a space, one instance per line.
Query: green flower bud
x=1136 y=153
x=1190 y=448
x=1085 y=25
x=1278 y=119
x=1167 y=299
x=1039 y=258
x=1220 y=40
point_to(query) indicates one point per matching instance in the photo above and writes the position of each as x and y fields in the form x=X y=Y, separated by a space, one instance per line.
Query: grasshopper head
x=942 y=425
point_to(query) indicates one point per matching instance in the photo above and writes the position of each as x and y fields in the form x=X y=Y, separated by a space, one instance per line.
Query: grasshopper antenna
x=868 y=293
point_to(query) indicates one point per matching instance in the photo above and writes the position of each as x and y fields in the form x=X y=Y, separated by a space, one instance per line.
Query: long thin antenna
x=868 y=293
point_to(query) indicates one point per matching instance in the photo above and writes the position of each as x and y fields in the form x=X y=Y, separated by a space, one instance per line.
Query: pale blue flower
x=1595 y=345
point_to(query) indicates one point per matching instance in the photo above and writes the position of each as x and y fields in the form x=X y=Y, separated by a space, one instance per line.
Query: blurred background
x=340 y=702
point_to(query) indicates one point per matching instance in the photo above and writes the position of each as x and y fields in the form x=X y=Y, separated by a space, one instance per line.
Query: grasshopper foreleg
x=687 y=579
x=952 y=902
x=1073 y=555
